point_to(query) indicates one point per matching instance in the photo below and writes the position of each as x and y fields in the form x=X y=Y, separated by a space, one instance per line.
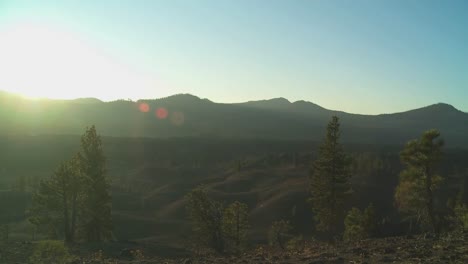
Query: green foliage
x=76 y=196
x=359 y=225
x=279 y=233
x=370 y=220
x=296 y=244
x=414 y=194
x=97 y=201
x=50 y=252
x=461 y=216
x=206 y=216
x=215 y=226
x=236 y=225
x=330 y=181
x=138 y=255
x=57 y=201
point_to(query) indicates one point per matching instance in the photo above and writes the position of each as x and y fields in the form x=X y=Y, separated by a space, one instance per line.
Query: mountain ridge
x=185 y=115
x=275 y=100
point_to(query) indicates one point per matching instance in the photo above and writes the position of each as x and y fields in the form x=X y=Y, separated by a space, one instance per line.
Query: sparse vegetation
x=269 y=180
x=280 y=233
x=51 y=252
x=296 y=244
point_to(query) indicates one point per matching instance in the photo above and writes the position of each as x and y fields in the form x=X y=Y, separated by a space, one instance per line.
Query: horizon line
x=230 y=103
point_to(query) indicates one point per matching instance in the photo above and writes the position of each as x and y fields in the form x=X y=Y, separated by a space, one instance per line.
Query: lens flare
x=144 y=107
x=161 y=113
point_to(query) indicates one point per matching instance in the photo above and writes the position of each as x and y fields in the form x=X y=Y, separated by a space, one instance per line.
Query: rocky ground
x=417 y=249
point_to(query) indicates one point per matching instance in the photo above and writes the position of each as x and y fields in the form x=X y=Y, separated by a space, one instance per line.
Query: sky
x=360 y=56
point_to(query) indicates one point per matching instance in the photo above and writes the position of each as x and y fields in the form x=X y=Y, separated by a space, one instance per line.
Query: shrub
x=206 y=216
x=235 y=226
x=50 y=252
x=279 y=233
x=296 y=244
x=359 y=225
x=461 y=216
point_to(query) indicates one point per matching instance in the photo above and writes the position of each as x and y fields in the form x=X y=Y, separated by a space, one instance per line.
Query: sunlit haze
x=356 y=56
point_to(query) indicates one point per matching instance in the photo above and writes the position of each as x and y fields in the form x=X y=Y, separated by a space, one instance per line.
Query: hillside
x=150 y=178
x=187 y=115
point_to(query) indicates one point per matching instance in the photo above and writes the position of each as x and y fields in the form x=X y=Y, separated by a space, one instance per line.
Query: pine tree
x=330 y=181
x=414 y=194
x=97 y=204
x=206 y=216
x=56 y=202
x=236 y=224
x=280 y=233
x=354 y=225
x=359 y=225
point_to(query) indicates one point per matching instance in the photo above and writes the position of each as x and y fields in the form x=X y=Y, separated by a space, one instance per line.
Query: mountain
x=187 y=115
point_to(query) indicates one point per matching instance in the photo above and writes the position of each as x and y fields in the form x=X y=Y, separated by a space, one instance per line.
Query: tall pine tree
x=97 y=205
x=414 y=194
x=330 y=181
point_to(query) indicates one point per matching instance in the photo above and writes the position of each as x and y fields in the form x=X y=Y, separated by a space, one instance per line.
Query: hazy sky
x=359 y=56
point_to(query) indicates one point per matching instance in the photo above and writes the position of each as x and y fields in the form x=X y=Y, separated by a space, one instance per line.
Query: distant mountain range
x=187 y=115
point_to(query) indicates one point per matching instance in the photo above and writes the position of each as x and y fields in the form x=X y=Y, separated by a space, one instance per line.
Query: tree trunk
x=237 y=230
x=430 y=202
x=66 y=220
x=73 y=219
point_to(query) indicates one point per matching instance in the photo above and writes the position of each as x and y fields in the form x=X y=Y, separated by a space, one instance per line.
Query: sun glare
x=42 y=61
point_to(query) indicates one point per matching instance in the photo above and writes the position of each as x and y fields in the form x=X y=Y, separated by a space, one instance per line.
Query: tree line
x=75 y=202
x=330 y=189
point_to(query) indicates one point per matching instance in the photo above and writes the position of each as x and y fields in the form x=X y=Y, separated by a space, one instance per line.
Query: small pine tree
x=236 y=225
x=206 y=216
x=330 y=181
x=280 y=233
x=359 y=225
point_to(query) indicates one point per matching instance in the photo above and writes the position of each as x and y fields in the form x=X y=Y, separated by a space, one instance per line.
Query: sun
x=47 y=61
